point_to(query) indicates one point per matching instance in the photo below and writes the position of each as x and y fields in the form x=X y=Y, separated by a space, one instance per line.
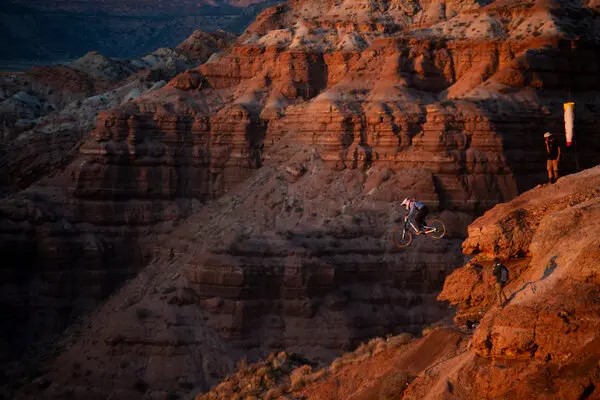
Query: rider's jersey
x=416 y=205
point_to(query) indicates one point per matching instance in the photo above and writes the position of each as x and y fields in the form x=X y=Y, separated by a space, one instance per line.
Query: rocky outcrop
x=61 y=235
x=460 y=110
x=542 y=344
x=300 y=261
x=548 y=331
x=54 y=108
x=525 y=232
x=201 y=45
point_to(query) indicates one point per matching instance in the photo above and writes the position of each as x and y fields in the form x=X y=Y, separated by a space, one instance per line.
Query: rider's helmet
x=405 y=202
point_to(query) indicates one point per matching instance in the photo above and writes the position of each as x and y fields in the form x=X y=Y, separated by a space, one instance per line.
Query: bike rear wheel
x=401 y=237
x=438 y=227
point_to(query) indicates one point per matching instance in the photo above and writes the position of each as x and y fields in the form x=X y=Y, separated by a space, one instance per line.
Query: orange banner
x=569 y=122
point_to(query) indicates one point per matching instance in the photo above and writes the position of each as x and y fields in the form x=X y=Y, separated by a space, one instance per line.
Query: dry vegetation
x=282 y=374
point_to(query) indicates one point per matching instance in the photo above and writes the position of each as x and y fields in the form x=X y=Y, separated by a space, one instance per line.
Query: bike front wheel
x=438 y=229
x=402 y=237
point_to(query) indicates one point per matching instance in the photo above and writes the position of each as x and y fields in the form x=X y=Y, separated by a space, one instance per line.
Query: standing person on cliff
x=500 y=272
x=553 y=153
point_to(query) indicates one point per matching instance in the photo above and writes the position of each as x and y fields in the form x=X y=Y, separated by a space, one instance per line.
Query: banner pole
x=576 y=154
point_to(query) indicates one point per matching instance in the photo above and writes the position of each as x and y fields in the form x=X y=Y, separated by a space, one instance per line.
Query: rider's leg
x=413 y=216
x=419 y=221
x=424 y=214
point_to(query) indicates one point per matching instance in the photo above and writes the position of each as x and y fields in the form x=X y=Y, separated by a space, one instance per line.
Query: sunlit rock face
x=544 y=336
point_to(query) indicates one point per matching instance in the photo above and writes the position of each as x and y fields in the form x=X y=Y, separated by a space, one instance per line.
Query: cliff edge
x=543 y=344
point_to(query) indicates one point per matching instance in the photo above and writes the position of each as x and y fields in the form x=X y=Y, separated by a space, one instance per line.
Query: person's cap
x=547 y=134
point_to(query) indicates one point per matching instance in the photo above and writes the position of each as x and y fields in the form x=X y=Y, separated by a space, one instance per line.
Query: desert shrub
x=399 y=340
x=372 y=345
x=427 y=330
x=337 y=364
x=303 y=376
x=371 y=348
x=380 y=346
x=298 y=377
x=317 y=375
x=364 y=351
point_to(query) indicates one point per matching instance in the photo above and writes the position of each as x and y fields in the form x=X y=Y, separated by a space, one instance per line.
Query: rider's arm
x=411 y=210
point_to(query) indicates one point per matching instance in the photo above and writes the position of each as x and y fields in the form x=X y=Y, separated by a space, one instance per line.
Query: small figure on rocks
x=417 y=212
x=501 y=273
x=553 y=153
x=471 y=324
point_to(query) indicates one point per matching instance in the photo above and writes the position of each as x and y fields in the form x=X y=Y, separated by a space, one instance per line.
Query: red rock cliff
x=543 y=344
x=352 y=107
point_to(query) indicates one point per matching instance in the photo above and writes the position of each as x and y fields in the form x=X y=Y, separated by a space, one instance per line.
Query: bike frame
x=403 y=237
x=426 y=229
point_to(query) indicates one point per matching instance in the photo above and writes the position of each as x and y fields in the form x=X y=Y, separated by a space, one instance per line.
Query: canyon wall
x=302 y=139
x=542 y=343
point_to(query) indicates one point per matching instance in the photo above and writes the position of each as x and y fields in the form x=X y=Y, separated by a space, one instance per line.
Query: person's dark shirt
x=497 y=272
x=552 y=149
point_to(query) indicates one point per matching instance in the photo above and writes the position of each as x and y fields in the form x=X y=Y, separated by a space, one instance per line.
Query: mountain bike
x=403 y=237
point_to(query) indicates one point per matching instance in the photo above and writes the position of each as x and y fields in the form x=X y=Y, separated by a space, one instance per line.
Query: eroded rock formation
x=46 y=111
x=62 y=254
x=457 y=105
x=346 y=109
x=548 y=332
x=298 y=257
x=543 y=344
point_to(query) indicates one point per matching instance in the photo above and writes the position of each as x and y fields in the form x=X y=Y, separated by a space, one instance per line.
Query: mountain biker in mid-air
x=417 y=212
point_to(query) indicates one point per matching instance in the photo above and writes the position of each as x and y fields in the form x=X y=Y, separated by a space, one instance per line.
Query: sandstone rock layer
x=543 y=344
x=301 y=139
